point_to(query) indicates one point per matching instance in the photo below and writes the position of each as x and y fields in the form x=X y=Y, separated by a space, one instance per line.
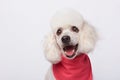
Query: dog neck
x=78 y=68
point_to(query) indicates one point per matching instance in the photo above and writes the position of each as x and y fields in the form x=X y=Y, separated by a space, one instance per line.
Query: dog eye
x=75 y=29
x=59 y=31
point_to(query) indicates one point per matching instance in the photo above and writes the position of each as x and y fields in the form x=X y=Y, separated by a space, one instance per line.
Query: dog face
x=67 y=38
x=71 y=35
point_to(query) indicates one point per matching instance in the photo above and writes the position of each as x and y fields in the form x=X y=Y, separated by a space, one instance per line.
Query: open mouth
x=70 y=50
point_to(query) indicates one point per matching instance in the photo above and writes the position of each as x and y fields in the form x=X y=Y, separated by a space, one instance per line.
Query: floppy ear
x=88 y=38
x=51 y=49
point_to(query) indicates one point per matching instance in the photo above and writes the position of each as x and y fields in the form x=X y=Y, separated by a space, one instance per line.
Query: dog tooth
x=73 y=50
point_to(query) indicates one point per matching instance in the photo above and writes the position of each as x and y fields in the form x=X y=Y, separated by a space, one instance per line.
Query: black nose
x=66 y=39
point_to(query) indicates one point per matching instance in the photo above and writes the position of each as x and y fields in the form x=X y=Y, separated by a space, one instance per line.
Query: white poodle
x=66 y=47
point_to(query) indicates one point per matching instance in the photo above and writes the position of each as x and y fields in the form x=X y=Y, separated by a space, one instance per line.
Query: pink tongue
x=70 y=52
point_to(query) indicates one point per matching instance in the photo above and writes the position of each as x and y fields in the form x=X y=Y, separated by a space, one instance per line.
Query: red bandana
x=78 y=68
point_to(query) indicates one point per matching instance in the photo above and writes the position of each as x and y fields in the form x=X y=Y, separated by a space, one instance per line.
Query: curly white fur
x=51 y=50
x=86 y=38
x=66 y=17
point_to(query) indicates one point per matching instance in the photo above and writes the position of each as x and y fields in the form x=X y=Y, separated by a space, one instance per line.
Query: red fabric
x=78 y=68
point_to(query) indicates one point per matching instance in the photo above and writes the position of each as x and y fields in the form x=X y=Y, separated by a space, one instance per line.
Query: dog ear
x=51 y=49
x=88 y=38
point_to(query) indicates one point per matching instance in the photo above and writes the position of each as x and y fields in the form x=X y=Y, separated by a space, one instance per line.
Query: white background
x=24 y=23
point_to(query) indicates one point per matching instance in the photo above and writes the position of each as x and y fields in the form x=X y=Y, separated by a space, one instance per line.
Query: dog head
x=71 y=35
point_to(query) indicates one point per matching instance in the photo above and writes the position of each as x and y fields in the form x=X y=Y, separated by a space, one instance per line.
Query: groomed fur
x=51 y=50
x=88 y=38
x=87 y=35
